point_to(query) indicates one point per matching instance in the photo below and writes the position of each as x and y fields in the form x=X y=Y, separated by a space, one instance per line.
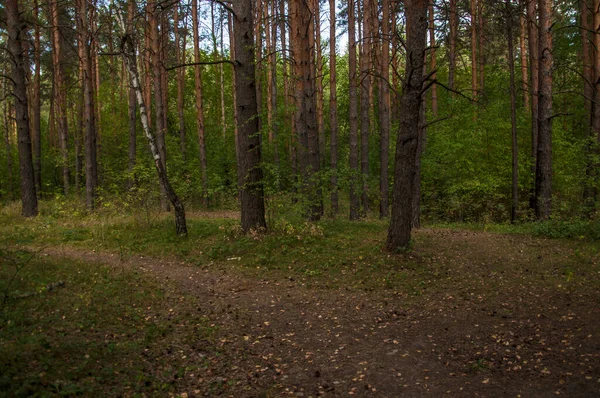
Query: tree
x=365 y=102
x=128 y=53
x=452 y=44
x=249 y=150
x=513 y=114
x=543 y=176
x=37 y=104
x=353 y=112
x=199 y=104
x=399 y=231
x=533 y=34
x=384 y=111
x=333 y=123
x=16 y=36
x=89 y=115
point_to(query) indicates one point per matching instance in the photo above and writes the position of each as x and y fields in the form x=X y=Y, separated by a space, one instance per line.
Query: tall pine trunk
x=250 y=171
x=384 y=112
x=534 y=88
x=353 y=112
x=16 y=37
x=333 y=122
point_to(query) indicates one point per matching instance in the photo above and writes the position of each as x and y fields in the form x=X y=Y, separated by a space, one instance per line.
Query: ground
x=491 y=315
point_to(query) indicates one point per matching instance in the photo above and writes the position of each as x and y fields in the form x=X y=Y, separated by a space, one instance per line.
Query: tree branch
x=222 y=61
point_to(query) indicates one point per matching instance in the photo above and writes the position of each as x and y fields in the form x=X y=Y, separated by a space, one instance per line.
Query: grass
x=103 y=332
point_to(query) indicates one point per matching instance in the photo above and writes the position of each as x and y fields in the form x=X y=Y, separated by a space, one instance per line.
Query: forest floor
x=463 y=313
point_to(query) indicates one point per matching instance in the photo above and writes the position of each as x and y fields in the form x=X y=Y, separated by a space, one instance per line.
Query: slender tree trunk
x=399 y=231
x=59 y=92
x=199 y=105
x=353 y=112
x=258 y=41
x=91 y=173
x=433 y=59
x=131 y=9
x=543 y=177
x=7 y=133
x=232 y=48
x=37 y=105
x=157 y=72
x=251 y=188
x=533 y=87
x=480 y=41
x=365 y=104
x=474 y=63
x=16 y=36
x=523 y=50
x=333 y=122
x=273 y=82
x=513 y=115
x=128 y=52
x=384 y=112
x=180 y=44
x=452 y=44
x=320 y=97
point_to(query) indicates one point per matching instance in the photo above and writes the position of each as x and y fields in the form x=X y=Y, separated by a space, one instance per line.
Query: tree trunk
x=132 y=110
x=522 y=47
x=353 y=112
x=365 y=104
x=16 y=36
x=474 y=63
x=306 y=120
x=159 y=105
x=533 y=87
x=384 y=112
x=399 y=231
x=37 y=105
x=199 y=105
x=452 y=44
x=513 y=114
x=591 y=74
x=433 y=60
x=128 y=52
x=180 y=44
x=91 y=167
x=59 y=92
x=7 y=133
x=251 y=188
x=333 y=123
x=543 y=176
x=320 y=97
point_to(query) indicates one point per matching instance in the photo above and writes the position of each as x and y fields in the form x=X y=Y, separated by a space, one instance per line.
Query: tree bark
x=523 y=48
x=6 y=116
x=333 y=123
x=59 y=92
x=353 y=112
x=180 y=45
x=533 y=35
x=543 y=177
x=16 y=36
x=251 y=188
x=365 y=104
x=91 y=167
x=36 y=135
x=433 y=59
x=452 y=44
x=128 y=53
x=474 y=63
x=131 y=9
x=384 y=112
x=399 y=232
x=199 y=105
x=513 y=114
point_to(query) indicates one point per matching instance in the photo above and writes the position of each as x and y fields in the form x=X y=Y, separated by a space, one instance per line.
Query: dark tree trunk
x=543 y=176
x=353 y=113
x=36 y=134
x=180 y=44
x=433 y=61
x=128 y=52
x=250 y=171
x=523 y=50
x=384 y=113
x=132 y=111
x=399 y=231
x=474 y=63
x=306 y=118
x=333 y=123
x=16 y=36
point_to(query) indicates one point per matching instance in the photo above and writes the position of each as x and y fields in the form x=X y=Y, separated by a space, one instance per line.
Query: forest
x=304 y=198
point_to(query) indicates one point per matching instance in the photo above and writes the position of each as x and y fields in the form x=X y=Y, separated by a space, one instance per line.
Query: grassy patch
x=69 y=328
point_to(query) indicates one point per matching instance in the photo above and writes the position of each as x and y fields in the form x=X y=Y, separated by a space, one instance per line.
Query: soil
x=501 y=315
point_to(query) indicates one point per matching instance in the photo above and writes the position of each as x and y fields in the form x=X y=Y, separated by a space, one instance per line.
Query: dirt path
x=486 y=326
